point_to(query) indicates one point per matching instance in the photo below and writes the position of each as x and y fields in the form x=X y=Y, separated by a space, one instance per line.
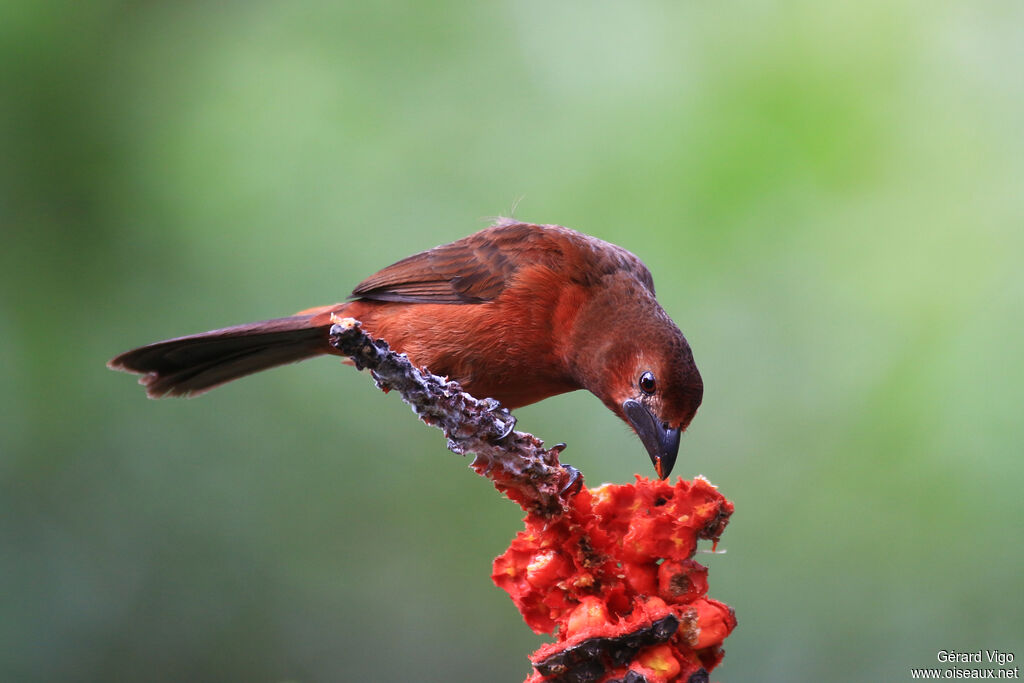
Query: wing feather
x=477 y=268
x=471 y=270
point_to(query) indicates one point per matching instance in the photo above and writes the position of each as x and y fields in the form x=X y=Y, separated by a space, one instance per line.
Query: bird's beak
x=660 y=440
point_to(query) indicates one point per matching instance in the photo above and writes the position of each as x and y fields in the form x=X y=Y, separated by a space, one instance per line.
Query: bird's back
x=494 y=310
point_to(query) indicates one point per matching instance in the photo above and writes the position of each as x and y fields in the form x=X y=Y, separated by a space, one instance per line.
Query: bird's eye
x=647 y=383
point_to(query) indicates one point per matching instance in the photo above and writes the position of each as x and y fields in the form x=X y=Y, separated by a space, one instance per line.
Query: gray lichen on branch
x=516 y=462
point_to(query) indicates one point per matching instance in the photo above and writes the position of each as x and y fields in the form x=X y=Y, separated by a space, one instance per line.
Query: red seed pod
x=682 y=581
x=613 y=577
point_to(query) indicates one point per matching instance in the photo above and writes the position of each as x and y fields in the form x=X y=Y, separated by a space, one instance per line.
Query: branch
x=609 y=570
x=516 y=462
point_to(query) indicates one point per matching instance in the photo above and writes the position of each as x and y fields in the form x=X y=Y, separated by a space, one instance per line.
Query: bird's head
x=644 y=372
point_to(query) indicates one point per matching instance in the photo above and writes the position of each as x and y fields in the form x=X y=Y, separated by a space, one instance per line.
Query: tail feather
x=197 y=363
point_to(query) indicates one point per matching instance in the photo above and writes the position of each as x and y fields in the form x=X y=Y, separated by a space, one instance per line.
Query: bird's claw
x=574 y=483
x=510 y=425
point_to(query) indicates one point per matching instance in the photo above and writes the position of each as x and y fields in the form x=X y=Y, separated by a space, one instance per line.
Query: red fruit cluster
x=613 y=576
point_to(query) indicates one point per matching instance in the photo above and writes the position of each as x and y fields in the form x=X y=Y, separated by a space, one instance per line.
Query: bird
x=517 y=312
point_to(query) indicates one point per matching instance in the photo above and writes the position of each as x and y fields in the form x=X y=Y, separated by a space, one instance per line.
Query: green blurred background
x=830 y=199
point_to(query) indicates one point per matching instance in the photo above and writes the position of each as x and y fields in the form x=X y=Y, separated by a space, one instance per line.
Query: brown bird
x=515 y=312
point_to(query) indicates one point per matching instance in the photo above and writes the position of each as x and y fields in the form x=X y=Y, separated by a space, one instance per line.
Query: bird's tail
x=197 y=363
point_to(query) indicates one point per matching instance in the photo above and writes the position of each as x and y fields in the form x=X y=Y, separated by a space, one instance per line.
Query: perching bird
x=515 y=312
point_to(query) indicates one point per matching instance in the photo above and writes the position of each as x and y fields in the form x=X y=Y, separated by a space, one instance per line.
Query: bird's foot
x=574 y=483
x=510 y=425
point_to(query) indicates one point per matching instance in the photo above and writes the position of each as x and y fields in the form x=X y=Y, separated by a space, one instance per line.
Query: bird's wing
x=471 y=270
x=477 y=268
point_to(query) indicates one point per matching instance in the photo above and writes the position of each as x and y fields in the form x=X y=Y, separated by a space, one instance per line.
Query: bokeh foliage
x=829 y=197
